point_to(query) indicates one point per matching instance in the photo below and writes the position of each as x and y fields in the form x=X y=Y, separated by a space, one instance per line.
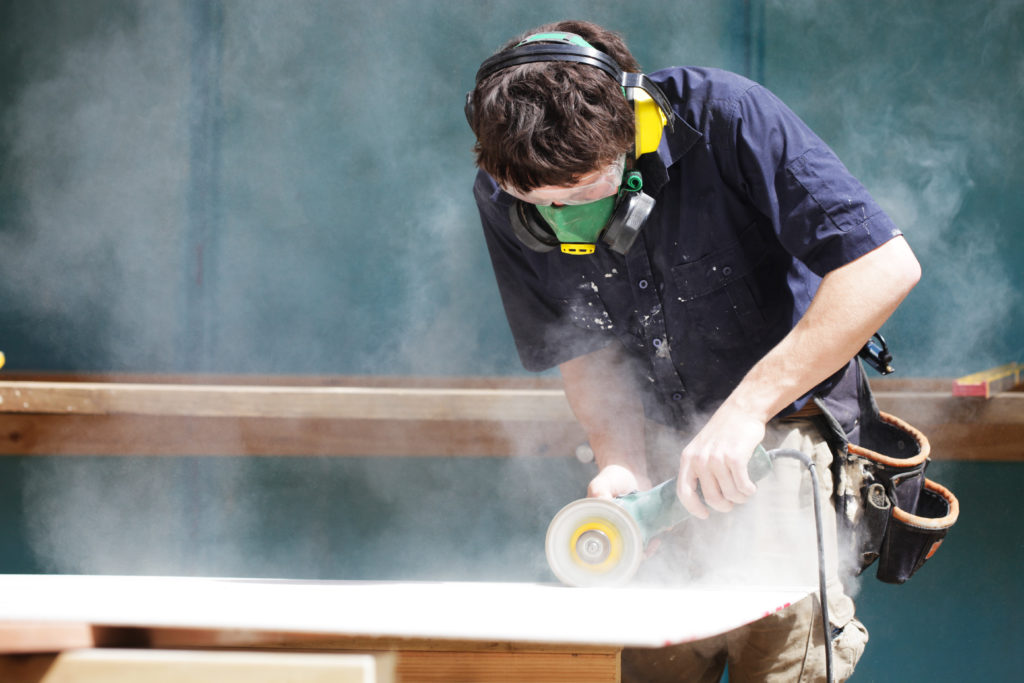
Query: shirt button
x=642 y=284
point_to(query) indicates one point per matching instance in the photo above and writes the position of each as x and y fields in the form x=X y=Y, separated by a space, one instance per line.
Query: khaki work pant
x=768 y=541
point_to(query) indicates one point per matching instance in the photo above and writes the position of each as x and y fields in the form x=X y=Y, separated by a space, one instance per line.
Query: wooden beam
x=44 y=434
x=959 y=428
x=396 y=416
x=368 y=403
x=988 y=382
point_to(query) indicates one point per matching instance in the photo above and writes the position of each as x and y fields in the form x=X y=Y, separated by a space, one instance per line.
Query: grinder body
x=600 y=542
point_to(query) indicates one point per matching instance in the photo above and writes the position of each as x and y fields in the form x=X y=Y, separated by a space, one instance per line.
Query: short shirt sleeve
x=821 y=213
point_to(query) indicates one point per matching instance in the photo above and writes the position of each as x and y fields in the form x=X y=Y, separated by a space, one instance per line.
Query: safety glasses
x=590 y=188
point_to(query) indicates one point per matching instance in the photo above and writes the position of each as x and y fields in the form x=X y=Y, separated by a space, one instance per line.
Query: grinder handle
x=659 y=509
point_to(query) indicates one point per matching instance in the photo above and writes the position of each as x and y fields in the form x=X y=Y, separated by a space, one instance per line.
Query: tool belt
x=886 y=509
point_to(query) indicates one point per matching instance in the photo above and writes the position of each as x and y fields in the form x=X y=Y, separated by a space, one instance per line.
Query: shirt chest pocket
x=719 y=296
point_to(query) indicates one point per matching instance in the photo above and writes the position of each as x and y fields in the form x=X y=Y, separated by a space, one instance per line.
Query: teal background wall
x=268 y=187
x=258 y=186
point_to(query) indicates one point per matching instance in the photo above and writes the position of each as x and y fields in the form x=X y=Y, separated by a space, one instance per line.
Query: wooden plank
x=25 y=668
x=185 y=666
x=42 y=434
x=176 y=637
x=532 y=381
x=413 y=662
x=987 y=383
x=963 y=429
x=44 y=636
x=479 y=419
x=93 y=398
x=412 y=659
x=934 y=408
x=435 y=666
x=419 y=660
x=500 y=667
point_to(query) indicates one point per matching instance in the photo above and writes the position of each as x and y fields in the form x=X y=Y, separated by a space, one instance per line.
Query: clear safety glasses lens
x=589 y=189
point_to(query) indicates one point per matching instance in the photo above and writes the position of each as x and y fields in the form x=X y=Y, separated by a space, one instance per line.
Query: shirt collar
x=674 y=145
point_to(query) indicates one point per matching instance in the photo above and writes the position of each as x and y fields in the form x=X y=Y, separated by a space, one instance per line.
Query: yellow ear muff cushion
x=650 y=120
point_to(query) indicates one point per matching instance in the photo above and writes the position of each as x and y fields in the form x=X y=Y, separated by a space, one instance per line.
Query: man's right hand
x=614 y=481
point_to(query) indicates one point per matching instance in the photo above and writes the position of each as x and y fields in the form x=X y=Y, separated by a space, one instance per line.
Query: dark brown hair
x=549 y=123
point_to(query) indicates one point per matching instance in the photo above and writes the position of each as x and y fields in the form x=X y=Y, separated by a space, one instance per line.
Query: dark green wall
x=271 y=187
x=263 y=186
x=275 y=187
x=295 y=517
x=923 y=102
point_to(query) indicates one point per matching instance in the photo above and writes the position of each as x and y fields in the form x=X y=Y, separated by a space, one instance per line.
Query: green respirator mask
x=577 y=229
x=580 y=224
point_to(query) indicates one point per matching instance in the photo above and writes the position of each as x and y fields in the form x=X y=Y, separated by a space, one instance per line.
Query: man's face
x=590 y=188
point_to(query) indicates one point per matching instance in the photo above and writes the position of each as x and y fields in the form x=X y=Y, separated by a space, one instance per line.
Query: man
x=741 y=284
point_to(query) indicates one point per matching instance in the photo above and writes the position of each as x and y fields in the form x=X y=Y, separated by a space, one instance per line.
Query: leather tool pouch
x=886 y=509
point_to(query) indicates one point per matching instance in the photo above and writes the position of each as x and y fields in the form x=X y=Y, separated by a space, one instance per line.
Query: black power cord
x=819 y=528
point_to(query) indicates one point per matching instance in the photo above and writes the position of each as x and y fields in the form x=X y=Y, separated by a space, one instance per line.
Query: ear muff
x=651 y=107
x=627 y=220
x=650 y=122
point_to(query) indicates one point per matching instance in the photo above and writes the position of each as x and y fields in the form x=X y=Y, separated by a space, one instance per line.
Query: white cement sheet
x=492 y=612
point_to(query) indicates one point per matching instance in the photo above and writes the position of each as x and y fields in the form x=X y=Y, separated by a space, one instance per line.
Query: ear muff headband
x=549 y=52
x=649 y=121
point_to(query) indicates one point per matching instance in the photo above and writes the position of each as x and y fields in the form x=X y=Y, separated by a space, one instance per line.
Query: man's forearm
x=851 y=304
x=601 y=392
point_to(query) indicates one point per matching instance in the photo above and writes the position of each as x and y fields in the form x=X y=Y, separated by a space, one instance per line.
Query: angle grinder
x=600 y=542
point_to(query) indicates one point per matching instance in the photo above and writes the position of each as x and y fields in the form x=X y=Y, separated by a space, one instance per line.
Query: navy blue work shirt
x=753 y=209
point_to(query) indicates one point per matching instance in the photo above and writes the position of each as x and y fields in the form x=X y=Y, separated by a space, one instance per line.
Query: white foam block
x=493 y=612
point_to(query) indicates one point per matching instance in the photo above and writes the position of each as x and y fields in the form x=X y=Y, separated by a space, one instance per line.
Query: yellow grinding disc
x=596 y=545
x=593 y=542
